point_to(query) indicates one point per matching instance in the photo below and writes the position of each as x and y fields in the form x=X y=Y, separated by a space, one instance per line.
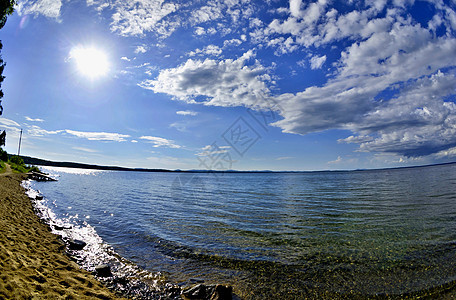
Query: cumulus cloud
x=160 y=142
x=232 y=42
x=47 y=8
x=393 y=85
x=99 y=136
x=389 y=87
x=316 y=62
x=222 y=83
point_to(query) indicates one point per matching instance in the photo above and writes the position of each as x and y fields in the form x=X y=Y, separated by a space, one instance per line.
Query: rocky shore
x=32 y=260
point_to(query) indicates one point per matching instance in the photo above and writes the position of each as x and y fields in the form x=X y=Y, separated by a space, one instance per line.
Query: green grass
x=17 y=168
x=2 y=167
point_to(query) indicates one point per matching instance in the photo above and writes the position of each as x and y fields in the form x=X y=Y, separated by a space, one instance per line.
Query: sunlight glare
x=91 y=62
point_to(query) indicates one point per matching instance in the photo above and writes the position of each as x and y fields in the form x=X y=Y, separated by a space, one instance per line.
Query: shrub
x=17 y=160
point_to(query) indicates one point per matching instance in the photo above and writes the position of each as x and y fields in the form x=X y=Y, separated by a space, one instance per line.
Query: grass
x=2 y=167
x=17 y=165
x=17 y=168
x=22 y=168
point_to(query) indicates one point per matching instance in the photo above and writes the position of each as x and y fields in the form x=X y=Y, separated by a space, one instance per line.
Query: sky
x=233 y=84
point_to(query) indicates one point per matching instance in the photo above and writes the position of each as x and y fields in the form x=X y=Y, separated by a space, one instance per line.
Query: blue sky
x=235 y=84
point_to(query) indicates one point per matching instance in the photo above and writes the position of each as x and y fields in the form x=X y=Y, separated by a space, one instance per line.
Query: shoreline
x=32 y=259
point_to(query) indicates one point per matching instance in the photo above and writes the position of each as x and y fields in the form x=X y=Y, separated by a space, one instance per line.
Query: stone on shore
x=208 y=292
x=76 y=244
x=103 y=271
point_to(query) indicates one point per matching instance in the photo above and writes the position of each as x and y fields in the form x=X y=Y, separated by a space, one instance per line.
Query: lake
x=269 y=235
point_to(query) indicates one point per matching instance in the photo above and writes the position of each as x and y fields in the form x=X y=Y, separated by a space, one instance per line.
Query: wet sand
x=32 y=260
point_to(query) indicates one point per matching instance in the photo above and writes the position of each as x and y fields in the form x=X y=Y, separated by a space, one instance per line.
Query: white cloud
x=337 y=161
x=284 y=157
x=232 y=42
x=295 y=8
x=47 y=8
x=200 y=30
x=125 y=58
x=38 y=131
x=9 y=123
x=33 y=120
x=223 y=83
x=99 y=136
x=136 y=18
x=316 y=62
x=255 y=22
x=446 y=153
x=141 y=49
x=210 y=12
x=186 y=113
x=208 y=50
x=160 y=142
x=211 y=150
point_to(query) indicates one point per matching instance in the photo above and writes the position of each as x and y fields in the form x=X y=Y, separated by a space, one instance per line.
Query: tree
x=2 y=138
x=6 y=9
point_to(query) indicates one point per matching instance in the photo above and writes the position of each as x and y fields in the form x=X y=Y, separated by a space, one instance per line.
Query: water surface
x=282 y=235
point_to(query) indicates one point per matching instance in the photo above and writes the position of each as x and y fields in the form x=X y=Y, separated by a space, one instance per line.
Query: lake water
x=270 y=235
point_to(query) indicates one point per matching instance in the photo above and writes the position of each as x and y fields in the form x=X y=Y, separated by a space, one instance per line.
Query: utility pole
x=20 y=139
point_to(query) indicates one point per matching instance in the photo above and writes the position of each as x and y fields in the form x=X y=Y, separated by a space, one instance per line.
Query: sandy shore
x=32 y=260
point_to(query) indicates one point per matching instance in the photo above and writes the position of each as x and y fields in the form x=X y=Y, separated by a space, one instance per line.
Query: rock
x=196 y=292
x=103 y=271
x=39 y=197
x=61 y=227
x=209 y=292
x=222 y=292
x=76 y=244
x=58 y=227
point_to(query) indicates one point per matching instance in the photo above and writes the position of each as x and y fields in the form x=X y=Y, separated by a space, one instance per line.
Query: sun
x=90 y=61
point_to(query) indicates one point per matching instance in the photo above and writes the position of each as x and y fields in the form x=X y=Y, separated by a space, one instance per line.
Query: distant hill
x=42 y=162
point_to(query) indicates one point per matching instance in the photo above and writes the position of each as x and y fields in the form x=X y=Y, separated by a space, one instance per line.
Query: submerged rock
x=76 y=244
x=196 y=292
x=208 y=292
x=222 y=292
x=61 y=227
x=103 y=271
